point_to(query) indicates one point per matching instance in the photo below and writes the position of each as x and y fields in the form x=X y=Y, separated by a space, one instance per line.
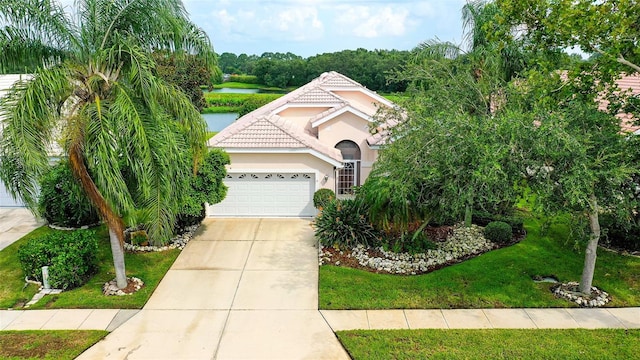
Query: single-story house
x=312 y=138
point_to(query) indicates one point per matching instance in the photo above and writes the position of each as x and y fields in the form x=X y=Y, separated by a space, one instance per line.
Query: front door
x=348 y=177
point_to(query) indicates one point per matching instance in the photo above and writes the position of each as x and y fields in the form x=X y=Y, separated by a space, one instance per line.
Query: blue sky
x=310 y=27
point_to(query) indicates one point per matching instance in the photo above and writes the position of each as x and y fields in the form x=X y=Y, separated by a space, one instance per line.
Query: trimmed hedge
x=70 y=255
x=323 y=197
x=498 y=232
x=247 y=79
x=483 y=218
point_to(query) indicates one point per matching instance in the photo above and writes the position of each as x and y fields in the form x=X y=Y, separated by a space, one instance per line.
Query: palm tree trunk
x=590 y=254
x=114 y=222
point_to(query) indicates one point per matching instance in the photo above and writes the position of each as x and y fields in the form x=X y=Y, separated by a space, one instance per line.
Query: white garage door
x=6 y=200
x=273 y=194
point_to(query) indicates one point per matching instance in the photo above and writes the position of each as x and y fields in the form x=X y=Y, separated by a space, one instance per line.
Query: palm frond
x=30 y=113
x=33 y=34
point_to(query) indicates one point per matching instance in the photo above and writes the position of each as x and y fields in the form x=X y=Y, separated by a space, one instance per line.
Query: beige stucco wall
x=297 y=162
x=349 y=126
x=360 y=101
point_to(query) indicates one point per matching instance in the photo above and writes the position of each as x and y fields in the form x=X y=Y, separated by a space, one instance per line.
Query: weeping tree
x=94 y=91
x=454 y=148
x=581 y=144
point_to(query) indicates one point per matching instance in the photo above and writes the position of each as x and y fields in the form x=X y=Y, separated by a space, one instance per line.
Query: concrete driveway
x=16 y=223
x=241 y=289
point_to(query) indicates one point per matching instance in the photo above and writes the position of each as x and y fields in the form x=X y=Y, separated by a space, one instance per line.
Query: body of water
x=235 y=91
x=217 y=122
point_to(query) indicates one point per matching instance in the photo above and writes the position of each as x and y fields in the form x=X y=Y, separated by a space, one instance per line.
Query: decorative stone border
x=178 y=242
x=111 y=289
x=84 y=227
x=463 y=243
x=570 y=291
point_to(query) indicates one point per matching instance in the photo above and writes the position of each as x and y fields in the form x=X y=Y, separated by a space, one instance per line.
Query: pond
x=235 y=91
x=217 y=122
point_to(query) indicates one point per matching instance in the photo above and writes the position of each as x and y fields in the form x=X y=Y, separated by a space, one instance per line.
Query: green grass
x=56 y=344
x=150 y=267
x=498 y=279
x=220 y=109
x=396 y=97
x=12 y=286
x=492 y=344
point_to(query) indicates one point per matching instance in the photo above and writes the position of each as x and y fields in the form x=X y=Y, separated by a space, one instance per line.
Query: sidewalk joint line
x=235 y=293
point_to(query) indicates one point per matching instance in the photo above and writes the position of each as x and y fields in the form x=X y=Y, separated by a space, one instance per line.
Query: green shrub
x=62 y=201
x=205 y=187
x=247 y=79
x=483 y=218
x=344 y=223
x=620 y=233
x=70 y=255
x=322 y=197
x=414 y=242
x=498 y=232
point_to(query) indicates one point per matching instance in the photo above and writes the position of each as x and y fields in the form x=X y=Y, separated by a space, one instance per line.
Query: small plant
x=71 y=257
x=62 y=202
x=498 y=232
x=345 y=223
x=139 y=237
x=322 y=197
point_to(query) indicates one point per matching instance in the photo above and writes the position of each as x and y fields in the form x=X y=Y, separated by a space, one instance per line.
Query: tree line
x=371 y=68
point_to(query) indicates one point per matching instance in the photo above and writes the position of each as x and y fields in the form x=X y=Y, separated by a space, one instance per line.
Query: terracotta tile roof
x=318 y=95
x=334 y=79
x=264 y=129
x=631 y=85
x=270 y=132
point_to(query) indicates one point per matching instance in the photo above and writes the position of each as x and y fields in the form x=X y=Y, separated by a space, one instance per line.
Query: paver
x=425 y=319
x=466 y=319
x=287 y=334
x=195 y=289
x=341 y=320
x=213 y=255
x=595 y=318
x=630 y=317
x=509 y=319
x=387 y=319
x=67 y=319
x=552 y=318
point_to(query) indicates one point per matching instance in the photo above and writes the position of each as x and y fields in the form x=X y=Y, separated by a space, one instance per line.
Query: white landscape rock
x=464 y=242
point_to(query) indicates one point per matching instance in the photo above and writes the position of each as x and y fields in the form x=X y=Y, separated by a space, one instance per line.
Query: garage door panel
x=267 y=195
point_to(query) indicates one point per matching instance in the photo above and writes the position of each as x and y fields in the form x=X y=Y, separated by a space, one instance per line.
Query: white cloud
x=299 y=22
x=225 y=19
x=368 y=22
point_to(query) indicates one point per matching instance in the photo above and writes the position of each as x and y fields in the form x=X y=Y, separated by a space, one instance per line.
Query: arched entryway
x=349 y=175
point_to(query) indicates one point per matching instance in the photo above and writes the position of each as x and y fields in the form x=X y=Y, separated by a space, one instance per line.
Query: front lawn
x=150 y=267
x=497 y=279
x=491 y=344
x=55 y=344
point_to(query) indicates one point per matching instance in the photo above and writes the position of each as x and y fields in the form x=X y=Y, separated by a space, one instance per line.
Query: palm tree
x=94 y=90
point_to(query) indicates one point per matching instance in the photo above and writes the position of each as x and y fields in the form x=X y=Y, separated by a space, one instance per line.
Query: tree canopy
x=96 y=92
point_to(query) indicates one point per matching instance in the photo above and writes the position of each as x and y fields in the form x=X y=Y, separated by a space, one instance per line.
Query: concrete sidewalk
x=571 y=318
x=16 y=223
x=64 y=319
x=338 y=320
